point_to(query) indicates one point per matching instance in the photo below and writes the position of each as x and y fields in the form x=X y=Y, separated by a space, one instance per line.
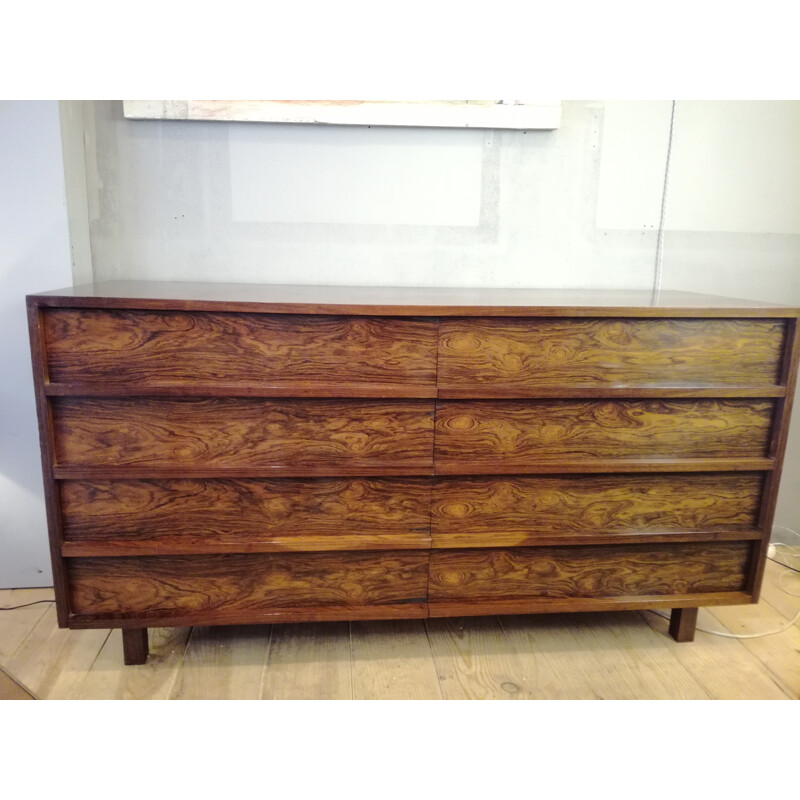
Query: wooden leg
x=682 y=623
x=134 y=645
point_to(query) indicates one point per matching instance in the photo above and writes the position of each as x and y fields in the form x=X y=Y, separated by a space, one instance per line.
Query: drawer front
x=505 y=433
x=588 y=572
x=518 y=510
x=221 y=587
x=130 y=517
x=176 y=346
x=242 y=432
x=601 y=352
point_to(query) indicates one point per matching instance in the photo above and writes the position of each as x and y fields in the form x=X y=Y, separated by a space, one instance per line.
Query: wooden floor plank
x=10 y=689
x=559 y=656
x=52 y=662
x=110 y=679
x=391 y=660
x=223 y=663
x=309 y=661
x=778 y=653
x=474 y=660
x=16 y=625
x=723 y=667
x=607 y=656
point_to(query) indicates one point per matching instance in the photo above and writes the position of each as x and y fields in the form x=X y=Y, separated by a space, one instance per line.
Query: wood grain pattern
x=516 y=433
x=482 y=606
x=588 y=572
x=403 y=301
x=174 y=346
x=47 y=454
x=142 y=517
x=517 y=510
x=242 y=432
x=591 y=352
x=179 y=495
x=224 y=586
x=777 y=449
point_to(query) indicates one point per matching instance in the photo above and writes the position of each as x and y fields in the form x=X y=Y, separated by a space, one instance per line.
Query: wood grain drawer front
x=518 y=510
x=175 y=346
x=246 y=587
x=141 y=517
x=243 y=432
x=590 y=352
x=588 y=572
x=487 y=434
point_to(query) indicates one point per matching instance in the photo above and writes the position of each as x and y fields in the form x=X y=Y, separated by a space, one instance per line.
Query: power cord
x=766 y=633
x=24 y=605
x=740 y=635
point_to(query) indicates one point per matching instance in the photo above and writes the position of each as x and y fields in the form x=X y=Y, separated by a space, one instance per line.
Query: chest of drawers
x=227 y=454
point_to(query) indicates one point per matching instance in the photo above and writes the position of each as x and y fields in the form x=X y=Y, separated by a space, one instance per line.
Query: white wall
x=34 y=256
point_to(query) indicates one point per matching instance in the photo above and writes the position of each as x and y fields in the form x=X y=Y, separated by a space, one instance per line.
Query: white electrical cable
x=756 y=635
x=741 y=635
x=660 y=240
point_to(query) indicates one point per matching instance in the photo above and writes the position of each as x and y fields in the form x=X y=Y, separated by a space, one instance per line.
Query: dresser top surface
x=405 y=301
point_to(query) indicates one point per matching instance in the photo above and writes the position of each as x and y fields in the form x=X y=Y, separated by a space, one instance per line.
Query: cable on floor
x=24 y=605
x=740 y=635
x=754 y=635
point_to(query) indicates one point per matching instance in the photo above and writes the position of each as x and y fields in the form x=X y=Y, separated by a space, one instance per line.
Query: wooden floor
x=621 y=655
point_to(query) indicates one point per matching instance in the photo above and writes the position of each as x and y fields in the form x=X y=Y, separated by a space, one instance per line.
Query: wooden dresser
x=217 y=454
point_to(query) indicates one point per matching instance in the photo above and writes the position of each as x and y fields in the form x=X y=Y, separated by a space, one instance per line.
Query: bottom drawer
x=574 y=574
x=217 y=589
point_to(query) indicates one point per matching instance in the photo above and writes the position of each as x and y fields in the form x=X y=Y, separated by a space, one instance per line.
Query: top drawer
x=178 y=347
x=508 y=354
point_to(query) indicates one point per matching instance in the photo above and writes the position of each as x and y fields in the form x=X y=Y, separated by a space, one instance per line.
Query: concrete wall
x=298 y=204
x=575 y=207
x=34 y=256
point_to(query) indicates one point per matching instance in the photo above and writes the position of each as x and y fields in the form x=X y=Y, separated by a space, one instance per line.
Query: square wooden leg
x=682 y=623
x=134 y=645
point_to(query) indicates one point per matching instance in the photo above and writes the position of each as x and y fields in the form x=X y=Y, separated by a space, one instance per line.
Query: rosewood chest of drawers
x=218 y=454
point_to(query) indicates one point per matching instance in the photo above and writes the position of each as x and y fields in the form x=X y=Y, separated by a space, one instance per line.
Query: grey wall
x=213 y=201
x=34 y=256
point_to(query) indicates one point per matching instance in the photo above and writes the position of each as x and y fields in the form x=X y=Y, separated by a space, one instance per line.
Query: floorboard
x=309 y=661
x=392 y=661
x=474 y=661
x=223 y=663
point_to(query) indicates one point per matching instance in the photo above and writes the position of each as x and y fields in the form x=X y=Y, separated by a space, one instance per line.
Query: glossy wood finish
x=507 y=434
x=777 y=449
x=149 y=517
x=47 y=451
x=405 y=301
x=226 y=588
x=135 y=647
x=232 y=455
x=150 y=348
x=588 y=572
x=481 y=607
x=518 y=510
x=682 y=624
x=243 y=432
x=515 y=354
